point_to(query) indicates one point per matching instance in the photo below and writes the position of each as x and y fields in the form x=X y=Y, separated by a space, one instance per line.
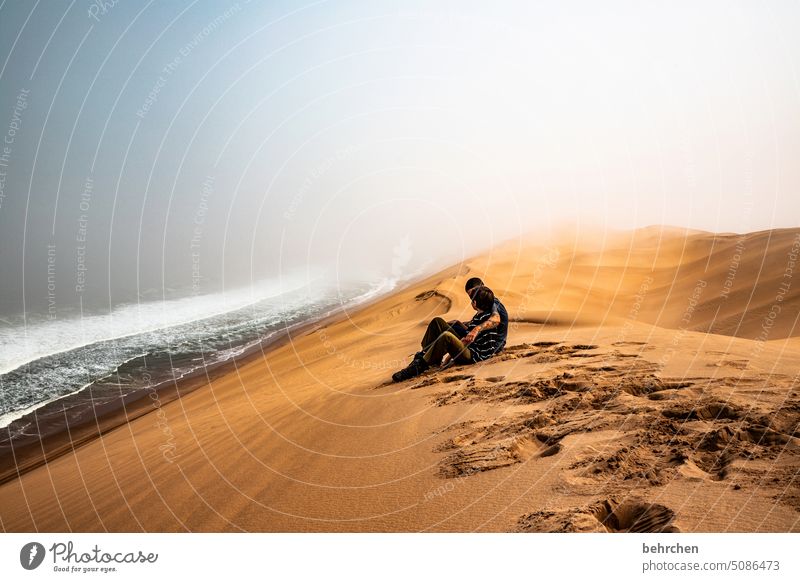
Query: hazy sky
x=154 y=143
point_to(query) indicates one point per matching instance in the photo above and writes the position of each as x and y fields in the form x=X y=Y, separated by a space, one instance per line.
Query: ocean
x=115 y=356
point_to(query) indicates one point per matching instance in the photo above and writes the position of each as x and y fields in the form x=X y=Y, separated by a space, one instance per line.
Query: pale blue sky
x=336 y=133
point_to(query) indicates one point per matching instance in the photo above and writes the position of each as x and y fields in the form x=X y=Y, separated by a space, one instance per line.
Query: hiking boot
x=415 y=368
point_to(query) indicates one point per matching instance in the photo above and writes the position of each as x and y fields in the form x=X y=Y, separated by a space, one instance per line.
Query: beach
x=649 y=383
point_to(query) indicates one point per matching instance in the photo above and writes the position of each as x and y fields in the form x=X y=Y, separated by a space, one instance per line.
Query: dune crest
x=649 y=384
x=742 y=285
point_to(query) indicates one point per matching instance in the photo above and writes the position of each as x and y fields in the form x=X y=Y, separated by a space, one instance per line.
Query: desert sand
x=650 y=383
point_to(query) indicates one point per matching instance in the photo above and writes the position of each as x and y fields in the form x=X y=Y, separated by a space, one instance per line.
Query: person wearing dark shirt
x=499 y=316
x=464 y=343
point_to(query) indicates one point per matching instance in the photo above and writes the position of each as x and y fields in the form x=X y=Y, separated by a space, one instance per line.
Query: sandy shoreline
x=612 y=409
x=57 y=434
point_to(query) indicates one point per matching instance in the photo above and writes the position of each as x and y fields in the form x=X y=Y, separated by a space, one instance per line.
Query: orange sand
x=648 y=384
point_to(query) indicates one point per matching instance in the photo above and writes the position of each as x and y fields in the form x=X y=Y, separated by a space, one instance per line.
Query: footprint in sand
x=457 y=378
x=477 y=457
x=673 y=429
x=703 y=411
x=492 y=446
x=606 y=516
x=736 y=364
x=634 y=517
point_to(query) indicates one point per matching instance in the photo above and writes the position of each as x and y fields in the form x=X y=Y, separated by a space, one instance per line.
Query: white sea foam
x=167 y=339
x=26 y=342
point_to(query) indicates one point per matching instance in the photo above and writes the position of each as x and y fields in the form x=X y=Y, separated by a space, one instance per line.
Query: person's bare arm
x=491 y=323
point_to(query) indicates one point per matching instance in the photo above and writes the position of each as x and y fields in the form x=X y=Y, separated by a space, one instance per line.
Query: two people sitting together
x=462 y=343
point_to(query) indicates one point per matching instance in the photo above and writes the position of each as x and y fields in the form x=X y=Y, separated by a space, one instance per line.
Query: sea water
x=112 y=354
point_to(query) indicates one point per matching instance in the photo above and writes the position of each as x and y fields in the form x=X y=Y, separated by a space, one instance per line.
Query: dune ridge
x=650 y=383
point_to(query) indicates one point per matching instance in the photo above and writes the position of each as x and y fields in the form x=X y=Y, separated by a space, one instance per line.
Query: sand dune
x=723 y=284
x=649 y=384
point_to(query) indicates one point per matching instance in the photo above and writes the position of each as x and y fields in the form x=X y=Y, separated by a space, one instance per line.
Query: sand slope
x=612 y=409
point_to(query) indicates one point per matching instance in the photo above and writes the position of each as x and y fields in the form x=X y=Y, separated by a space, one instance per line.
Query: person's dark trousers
x=436 y=327
x=441 y=338
x=459 y=329
x=447 y=343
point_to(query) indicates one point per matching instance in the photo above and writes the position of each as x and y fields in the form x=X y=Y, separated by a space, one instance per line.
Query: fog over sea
x=144 y=345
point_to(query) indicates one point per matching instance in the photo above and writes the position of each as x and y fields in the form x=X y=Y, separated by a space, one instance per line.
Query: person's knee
x=451 y=340
x=437 y=323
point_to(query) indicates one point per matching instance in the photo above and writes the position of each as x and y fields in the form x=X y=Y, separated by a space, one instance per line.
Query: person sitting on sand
x=442 y=342
x=498 y=319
